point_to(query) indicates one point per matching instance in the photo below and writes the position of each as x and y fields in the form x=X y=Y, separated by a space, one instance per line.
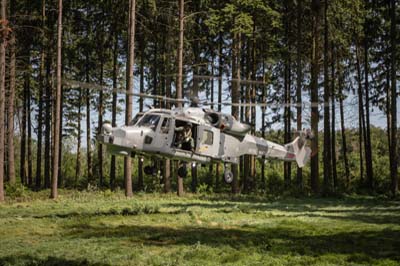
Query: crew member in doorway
x=184 y=137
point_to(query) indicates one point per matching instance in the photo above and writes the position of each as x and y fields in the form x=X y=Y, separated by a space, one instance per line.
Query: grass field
x=151 y=229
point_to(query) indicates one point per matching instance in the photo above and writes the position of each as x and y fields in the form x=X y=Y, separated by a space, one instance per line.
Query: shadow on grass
x=27 y=260
x=317 y=202
x=373 y=214
x=366 y=214
x=110 y=212
x=300 y=205
x=366 y=245
x=373 y=218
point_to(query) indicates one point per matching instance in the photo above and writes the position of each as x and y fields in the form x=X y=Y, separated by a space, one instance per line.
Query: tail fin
x=299 y=150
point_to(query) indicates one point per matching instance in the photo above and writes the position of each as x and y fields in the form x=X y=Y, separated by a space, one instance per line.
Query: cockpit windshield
x=149 y=120
x=135 y=119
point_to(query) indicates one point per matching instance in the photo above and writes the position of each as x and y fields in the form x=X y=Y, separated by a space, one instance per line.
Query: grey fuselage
x=217 y=137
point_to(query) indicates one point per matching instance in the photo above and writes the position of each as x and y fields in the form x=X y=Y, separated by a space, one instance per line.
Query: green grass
x=151 y=229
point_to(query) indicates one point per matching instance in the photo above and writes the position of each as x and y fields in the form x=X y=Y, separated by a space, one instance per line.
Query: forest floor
x=104 y=228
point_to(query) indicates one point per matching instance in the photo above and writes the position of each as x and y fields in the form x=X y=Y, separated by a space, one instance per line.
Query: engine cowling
x=227 y=123
x=214 y=118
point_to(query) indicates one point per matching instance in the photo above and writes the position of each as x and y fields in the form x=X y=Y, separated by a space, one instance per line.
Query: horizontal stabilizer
x=299 y=150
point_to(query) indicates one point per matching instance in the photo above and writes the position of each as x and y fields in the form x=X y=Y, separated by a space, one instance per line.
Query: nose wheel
x=228 y=175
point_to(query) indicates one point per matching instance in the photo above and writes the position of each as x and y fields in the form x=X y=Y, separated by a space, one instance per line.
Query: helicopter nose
x=107 y=128
x=135 y=138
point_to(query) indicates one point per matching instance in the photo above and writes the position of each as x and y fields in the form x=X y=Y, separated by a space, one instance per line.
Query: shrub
x=15 y=191
x=204 y=189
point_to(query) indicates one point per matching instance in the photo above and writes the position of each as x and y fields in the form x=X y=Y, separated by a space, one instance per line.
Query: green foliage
x=154 y=184
x=15 y=191
x=273 y=171
x=204 y=189
x=240 y=16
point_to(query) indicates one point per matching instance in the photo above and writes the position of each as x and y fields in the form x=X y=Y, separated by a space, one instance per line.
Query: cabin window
x=165 y=125
x=207 y=138
x=150 y=121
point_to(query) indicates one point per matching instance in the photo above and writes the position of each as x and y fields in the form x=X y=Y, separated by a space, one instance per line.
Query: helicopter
x=197 y=135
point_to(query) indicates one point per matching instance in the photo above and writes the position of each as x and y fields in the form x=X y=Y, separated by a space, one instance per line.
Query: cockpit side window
x=165 y=125
x=149 y=120
x=135 y=119
x=207 y=138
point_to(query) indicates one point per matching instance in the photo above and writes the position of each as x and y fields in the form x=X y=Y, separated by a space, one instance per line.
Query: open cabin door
x=207 y=140
x=165 y=133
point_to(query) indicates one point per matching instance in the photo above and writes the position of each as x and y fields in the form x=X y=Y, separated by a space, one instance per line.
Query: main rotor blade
x=271 y=105
x=85 y=85
x=209 y=77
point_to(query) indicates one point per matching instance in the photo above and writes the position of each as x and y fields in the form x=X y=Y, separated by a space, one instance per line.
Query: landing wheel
x=228 y=176
x=182 y=171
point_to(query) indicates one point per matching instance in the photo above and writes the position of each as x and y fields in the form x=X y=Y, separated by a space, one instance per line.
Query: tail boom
x=295 y=151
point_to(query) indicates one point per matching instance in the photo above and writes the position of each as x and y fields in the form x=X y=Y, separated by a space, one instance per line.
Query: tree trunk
x=393 y=129
x=48 y=115
x=220 y=70
x=343 y=129
x=168 y=165
x=60 y=179
x=194 y=177
x=88 y=126
x=219 y=106
x=129 y=89
x=29 y=126
x=167 y=175
x=78 y=146
x=247 y=113
x=141 y=88
x=368 y=151
x=114 y=101
x=101 y=54
x=287 y=89
x=287 y=85
x=333 y=128
x=263 y=109
x=10 y=118
x=180 y=72
x=156 y=102
x=56 y=143
x=49 y=104
x=299 y=78
x=194 y=94
x=209 y=180
x=100 y=118
x=316 y=18
x=38 y=180
x=22 y=168
x=236 y=43
x=167 y=92
x=2 y=94
x=254 y=62
x=361 y=123
x=327 y=131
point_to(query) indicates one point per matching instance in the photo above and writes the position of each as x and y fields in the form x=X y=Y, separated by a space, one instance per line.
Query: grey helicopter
x=197 y=135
